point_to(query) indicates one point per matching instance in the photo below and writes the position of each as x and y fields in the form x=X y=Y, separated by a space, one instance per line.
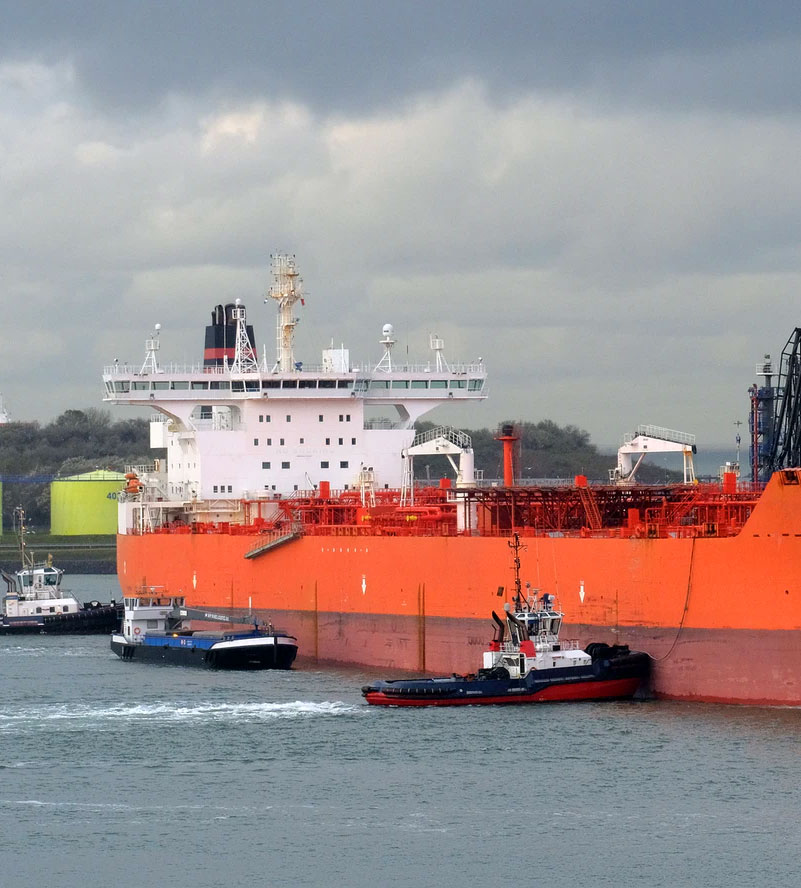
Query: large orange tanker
x=717 y=604
x=288 y=488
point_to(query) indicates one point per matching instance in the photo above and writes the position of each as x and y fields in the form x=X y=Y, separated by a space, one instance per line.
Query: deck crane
x=652 y=439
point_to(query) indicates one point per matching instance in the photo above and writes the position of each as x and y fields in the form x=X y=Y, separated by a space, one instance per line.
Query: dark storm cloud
x=349 y=55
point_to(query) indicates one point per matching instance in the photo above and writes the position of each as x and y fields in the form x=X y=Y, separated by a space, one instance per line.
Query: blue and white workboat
x=154 y=631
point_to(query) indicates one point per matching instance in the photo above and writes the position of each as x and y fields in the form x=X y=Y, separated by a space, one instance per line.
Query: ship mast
x=245 y=360
x=515 y=545
x=286 y=290
x=19 y=522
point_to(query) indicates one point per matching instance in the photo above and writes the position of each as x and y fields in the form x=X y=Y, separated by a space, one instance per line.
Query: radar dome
x=388 y=330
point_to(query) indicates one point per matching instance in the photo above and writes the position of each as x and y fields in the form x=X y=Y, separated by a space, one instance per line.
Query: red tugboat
x=526 y=663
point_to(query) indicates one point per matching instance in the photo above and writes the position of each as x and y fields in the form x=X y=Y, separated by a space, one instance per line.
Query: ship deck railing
x=356 y=369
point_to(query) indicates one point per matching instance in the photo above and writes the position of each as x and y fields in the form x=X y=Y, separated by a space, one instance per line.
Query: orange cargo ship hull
x=720 y=616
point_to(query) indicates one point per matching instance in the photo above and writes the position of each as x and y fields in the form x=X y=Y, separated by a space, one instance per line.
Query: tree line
x=77 y=441
x=80 y=441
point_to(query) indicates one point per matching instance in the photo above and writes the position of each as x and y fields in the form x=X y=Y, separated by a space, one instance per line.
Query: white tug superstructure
x=240 y=430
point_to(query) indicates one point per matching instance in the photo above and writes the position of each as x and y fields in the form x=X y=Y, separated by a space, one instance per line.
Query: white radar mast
x=151 y=364
x=438 y=346
x=245 y=360
x=286 y=289
x=388 y=341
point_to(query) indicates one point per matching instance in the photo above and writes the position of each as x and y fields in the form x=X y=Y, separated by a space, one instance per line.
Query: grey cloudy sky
x=602 y=199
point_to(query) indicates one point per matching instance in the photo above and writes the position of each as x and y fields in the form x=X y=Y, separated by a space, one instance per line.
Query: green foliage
x=77 y=441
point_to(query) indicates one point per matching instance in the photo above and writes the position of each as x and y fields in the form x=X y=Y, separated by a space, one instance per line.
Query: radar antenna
x=388 y=341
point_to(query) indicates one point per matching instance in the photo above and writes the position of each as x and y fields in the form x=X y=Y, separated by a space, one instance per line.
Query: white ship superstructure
x=240 y=430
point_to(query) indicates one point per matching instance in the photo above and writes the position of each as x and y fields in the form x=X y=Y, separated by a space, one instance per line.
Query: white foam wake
x=169 y=711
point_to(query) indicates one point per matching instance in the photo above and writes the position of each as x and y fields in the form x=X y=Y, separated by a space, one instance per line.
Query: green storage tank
x=85 y=504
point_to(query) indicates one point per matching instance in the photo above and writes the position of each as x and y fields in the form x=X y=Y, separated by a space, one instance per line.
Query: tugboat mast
x=515 y=545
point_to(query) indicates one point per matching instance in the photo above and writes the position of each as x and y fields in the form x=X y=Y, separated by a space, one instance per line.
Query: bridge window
x=475 y=385
x=199 y=386
x=140 y=386
x=307 y=383
x=218 y=384
x=380 y=383
x=439 y=383
x=159 y=386
x=271 y=383
x=419 y=383
x=289 y=384
x=345 y=383
x=458 y=383
x=251 y=385
x=400 y=383
x=122 y=386
x=181 y=385
x=238 y=385
x=327 y=383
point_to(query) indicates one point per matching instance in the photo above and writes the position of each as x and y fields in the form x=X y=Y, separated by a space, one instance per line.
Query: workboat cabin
x=149 y=612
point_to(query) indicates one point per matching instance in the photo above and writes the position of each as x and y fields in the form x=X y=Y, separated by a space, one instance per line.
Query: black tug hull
x=267 y=656
x=98 y=620
x=617 y=678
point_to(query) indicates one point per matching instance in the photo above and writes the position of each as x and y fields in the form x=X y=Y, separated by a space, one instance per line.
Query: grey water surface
x=133 y=774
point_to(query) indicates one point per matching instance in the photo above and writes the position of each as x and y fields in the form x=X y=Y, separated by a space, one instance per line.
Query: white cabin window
x=353 y=441
x=215 y=488
x=230 y=489
x=341 y=440
x=284 y=465
x=265 y=465
x=289 y=417
x=324 y=464
x=255 y=442
x=320 y=418
x=343 y=464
